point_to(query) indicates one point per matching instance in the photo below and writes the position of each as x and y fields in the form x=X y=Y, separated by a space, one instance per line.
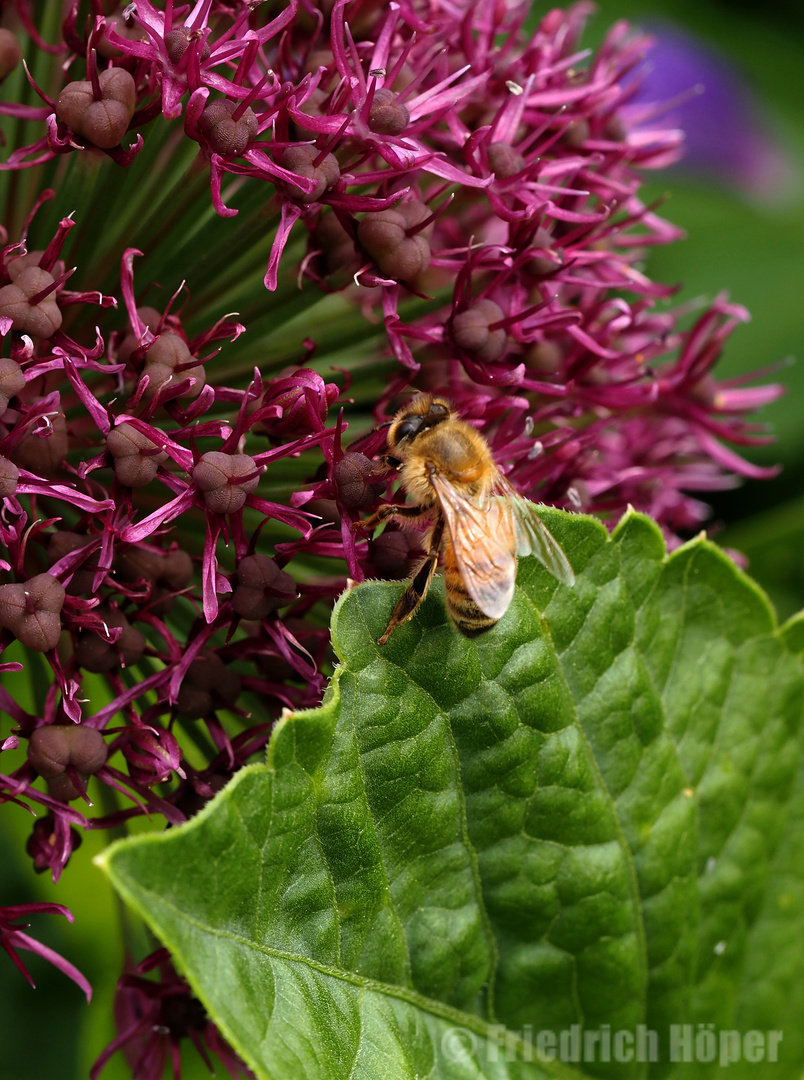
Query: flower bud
x=337 y=260
x=225 y=135
x=544 y=356
x=12 y=381
x=124 y=28
x=504 y=161
x=391 y=554
x=55 y=747
x=261 y=587
x=302 y=160
x=42 y=452
x=548 y=262
x=163 y=357
x=353 y=479
x=576 y=134
x=95 y=654
x=31 y=611
x=9 y=477
x=387 y=116
x=10 y=52
x=172 y=569
x=385 y=237
x=165 y=572
x=176 y=571
x=225 y=480
x=103 y=121
x=178 y=41
x=40 y=318
x=208 y=684
x=62 y=543
x=151 y=319
x=17 y=263
x=471 y=331
x=136 y=457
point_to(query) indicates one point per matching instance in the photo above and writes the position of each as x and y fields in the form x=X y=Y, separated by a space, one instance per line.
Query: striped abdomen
x=463 y=610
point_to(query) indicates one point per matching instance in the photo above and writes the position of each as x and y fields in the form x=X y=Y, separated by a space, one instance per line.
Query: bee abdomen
x=463 y=610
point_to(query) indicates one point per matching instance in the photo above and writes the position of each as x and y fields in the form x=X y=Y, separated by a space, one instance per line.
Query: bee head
x=421 y=412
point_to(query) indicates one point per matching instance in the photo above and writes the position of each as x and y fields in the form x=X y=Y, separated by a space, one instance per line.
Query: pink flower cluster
x=473 y=186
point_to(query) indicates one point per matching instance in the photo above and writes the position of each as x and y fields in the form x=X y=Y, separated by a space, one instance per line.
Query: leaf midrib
x=438 y=1010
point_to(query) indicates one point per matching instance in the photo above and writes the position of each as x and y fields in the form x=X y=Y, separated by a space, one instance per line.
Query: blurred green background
x=751 y=247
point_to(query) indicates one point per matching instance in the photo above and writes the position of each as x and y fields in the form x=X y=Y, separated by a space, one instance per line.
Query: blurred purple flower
x=155 y=1016
x=729 y=134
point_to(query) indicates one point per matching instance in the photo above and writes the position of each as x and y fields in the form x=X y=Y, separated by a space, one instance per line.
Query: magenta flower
x=329 y=207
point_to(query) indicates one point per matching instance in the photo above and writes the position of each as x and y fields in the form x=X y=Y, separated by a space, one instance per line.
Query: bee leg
x=389 y=510
x=410 y=600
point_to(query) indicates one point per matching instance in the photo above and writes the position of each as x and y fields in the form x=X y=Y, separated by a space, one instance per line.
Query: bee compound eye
x=408 y=428
x=438 y=408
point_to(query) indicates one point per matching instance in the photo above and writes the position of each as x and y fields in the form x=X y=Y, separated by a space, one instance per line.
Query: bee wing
x=532 y=535
x=484 y=541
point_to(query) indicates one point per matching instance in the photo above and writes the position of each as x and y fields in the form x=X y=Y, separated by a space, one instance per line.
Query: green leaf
x=574 y=833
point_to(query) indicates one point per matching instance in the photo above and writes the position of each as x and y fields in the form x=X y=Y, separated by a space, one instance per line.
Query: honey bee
x=478 y=522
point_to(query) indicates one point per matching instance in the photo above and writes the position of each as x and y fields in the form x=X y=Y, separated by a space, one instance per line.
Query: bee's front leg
x=410 y=600
x=391 y=510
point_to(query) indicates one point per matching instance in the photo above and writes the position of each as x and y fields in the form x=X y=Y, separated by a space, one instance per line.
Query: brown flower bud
x=9 y=477
x=576 y=134
x=136 y=457
x=504 y=161
x=302 y=160
x=387 y=237
x=172 y=569
x=43 y=451
x=391 y=554
x=544 y=260
x=261 y=587
x=227 y=136
x=55 y=747
x=95 y=654
x=12 y=381
x=167 y=354
x=10 y=52
x=18 y=301
x=31 y=611
x=387 y=116
x=124 y=28
x=152 y=318
x=208 y=684
x=225 y=480
x=338 y=261
x=353 y=479
x=62 y=543
x=178 y=41
x=471 y=331
x=544 y=356
x=101 y=121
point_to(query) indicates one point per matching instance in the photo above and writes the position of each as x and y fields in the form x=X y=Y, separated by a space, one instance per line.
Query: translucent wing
x=484 y=541
x=532 y=535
